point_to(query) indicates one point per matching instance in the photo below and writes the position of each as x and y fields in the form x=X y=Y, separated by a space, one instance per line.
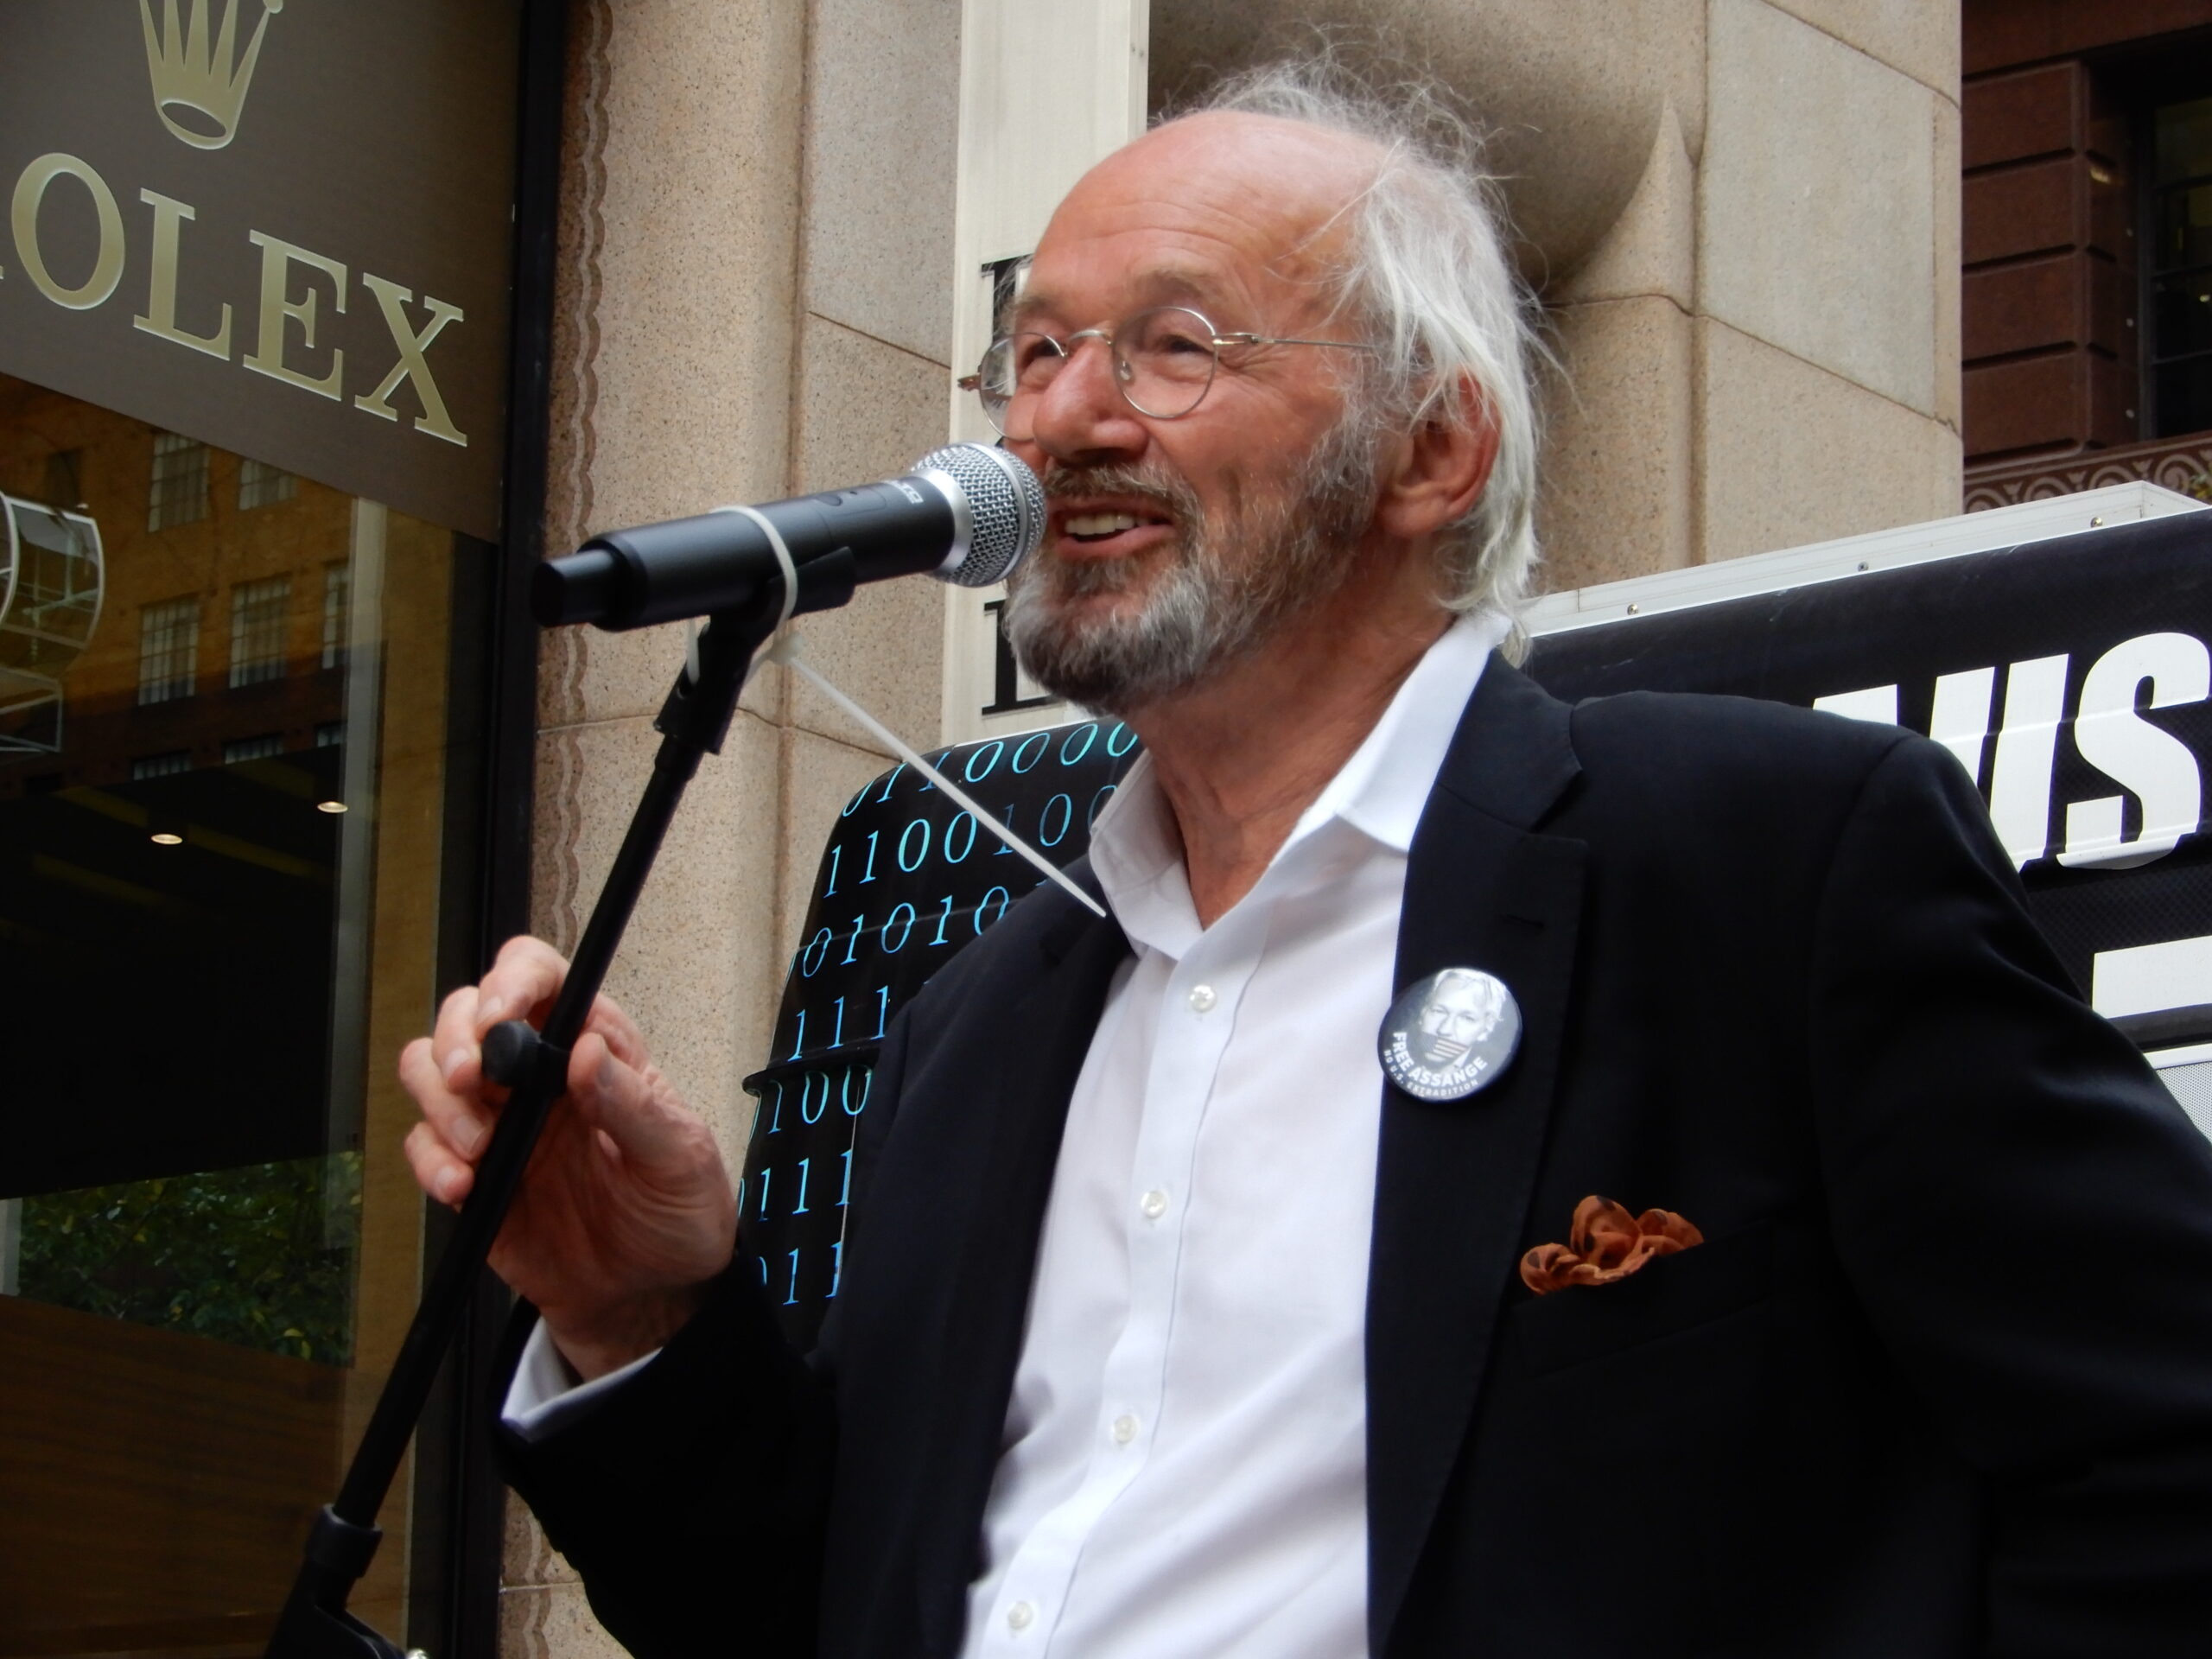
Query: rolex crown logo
x=200 y=81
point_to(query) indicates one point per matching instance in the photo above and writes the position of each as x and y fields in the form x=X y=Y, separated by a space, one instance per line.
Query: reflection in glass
x=2182 y=142
x=2180 y=342
x=224 y=704
x=50 y=589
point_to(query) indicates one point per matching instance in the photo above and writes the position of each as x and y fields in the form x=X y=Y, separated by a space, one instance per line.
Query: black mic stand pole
x=534 y=1066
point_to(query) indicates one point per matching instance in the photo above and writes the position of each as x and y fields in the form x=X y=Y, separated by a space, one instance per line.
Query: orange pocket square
x=1605 y=1244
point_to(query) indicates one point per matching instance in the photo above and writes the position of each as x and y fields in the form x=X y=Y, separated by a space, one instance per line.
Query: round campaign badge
x=1450 y=1034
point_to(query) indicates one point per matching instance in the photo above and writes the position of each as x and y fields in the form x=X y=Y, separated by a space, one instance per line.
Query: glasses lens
x=1165 y=358
x=1017 y=363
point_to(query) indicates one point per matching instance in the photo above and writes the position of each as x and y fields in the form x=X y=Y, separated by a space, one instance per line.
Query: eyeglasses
x=1164 y=359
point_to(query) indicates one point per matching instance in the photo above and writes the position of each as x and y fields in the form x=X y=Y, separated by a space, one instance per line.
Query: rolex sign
x=280 y=226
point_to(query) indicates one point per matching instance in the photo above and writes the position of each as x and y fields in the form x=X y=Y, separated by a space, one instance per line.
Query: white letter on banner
x=2019 y=791
x=2153 y=765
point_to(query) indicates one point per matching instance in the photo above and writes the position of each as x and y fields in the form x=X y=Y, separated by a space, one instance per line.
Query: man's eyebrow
x=1162 y=287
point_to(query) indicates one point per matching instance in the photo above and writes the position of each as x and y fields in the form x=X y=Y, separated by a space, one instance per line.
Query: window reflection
x=224 y=695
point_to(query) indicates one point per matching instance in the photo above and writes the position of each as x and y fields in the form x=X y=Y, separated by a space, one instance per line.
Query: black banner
x=2069 y=677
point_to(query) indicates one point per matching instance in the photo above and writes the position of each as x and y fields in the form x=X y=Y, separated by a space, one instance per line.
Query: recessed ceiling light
x=167 y=838
x=330 y=806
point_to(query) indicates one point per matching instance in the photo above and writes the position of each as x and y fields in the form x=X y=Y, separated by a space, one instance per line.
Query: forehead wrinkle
x=1193 y=284
x=1217 y=210
x=1215 y=272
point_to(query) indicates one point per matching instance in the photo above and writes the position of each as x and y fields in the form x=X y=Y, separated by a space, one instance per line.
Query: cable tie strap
x=786 y=650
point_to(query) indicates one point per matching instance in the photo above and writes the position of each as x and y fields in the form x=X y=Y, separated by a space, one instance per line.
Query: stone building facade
x=1742 y=216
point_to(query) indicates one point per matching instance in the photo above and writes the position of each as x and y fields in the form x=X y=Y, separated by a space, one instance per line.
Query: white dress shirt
x=1184 y=1466
x=1183 y=1470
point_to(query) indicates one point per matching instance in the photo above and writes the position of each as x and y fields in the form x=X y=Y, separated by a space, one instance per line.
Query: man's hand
x=626 y=1212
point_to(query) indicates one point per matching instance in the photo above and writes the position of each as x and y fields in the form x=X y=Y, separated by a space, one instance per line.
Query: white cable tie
x=785 y=651
x=783 y=559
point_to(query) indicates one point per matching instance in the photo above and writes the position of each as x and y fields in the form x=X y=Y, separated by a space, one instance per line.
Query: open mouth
x=1110 y=530
x=1097 y=526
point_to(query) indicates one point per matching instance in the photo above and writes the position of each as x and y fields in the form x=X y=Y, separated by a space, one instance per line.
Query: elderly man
x=1237 y=1356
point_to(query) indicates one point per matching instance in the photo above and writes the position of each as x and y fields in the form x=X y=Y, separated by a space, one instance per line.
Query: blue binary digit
x=994 y=749
x=1127 y=737
x=859 y=922
x=887 y=782
x=1091 y=819
x=763 y=1261
x=790 y=1297
x=866 y=1075
x=936 y=760
x=806 y=1093
x=1000 y=895
x=837 y=1034
x=1006 y=818
x=1088 y=734
x=905 y=928
x=1042 y=740
x=765 y=1175
x=845 y=1191
x=801 y=1043
x=801 y=1208
x=907 y=835
x=776 y=1114
x=870 y=876
x=837 y=854
x=882 y=1009
x=944 y=916
x=836 y=1264
x=817 y=947
x=967 y=846
x=1047 y=837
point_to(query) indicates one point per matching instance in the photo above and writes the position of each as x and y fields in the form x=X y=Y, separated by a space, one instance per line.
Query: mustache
x=1151 y=483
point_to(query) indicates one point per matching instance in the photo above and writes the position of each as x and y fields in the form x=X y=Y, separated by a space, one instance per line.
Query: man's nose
x=1081 y=416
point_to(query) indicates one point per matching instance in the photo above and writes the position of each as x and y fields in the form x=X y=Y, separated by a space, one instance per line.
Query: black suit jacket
x=1939 y=1382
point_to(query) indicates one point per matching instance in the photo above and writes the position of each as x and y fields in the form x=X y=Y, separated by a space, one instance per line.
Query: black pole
x=533 y=1063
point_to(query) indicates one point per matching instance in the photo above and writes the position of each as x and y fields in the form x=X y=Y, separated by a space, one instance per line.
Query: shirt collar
x=1380 y=791
x=1383 y=787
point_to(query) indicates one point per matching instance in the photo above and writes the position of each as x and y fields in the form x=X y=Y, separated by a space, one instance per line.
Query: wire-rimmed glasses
x=1165 y=357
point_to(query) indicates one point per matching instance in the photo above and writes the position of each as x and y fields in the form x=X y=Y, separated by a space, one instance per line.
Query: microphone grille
x=1006 y=510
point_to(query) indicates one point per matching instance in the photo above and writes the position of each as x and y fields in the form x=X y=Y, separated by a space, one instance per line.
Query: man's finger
x=521 y=984
x=648 y=1127
x=453 y=1046
x=620 y=1032
x=458 y=1121
x=438 y=1172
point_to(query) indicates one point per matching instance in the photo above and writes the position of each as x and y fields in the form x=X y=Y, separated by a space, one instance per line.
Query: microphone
x=968 y=514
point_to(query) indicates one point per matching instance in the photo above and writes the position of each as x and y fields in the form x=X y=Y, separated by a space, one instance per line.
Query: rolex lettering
x=216 y=224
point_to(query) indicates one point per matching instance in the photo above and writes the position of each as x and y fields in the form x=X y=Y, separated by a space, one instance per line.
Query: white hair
x=1430 y=276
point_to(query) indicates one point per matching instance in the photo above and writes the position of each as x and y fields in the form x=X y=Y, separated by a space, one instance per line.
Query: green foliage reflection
x=262 y=1256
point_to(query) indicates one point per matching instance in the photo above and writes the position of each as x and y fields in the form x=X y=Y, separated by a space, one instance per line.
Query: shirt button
x=1020 y=1615
x=1125 y=1429
x=1202 y=998
x=1155 y=1205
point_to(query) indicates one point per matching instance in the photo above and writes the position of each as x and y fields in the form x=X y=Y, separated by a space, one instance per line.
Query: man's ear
x=1438 y=471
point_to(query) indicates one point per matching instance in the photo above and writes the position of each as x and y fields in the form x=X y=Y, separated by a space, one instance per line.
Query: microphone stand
x=534 y=1066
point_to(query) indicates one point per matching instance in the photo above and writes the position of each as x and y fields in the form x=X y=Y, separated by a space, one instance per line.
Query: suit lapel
x=1453 y=1180
x=1044 y=1038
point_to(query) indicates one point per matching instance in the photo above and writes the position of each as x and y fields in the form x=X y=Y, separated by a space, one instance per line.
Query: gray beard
x=1205 y=609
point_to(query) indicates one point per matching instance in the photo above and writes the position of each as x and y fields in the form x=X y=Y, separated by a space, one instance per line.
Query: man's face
x=1175 y=545
x=1458 y=1016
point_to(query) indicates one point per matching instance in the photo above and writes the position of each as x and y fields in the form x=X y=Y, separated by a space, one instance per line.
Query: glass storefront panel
x=232 y=845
